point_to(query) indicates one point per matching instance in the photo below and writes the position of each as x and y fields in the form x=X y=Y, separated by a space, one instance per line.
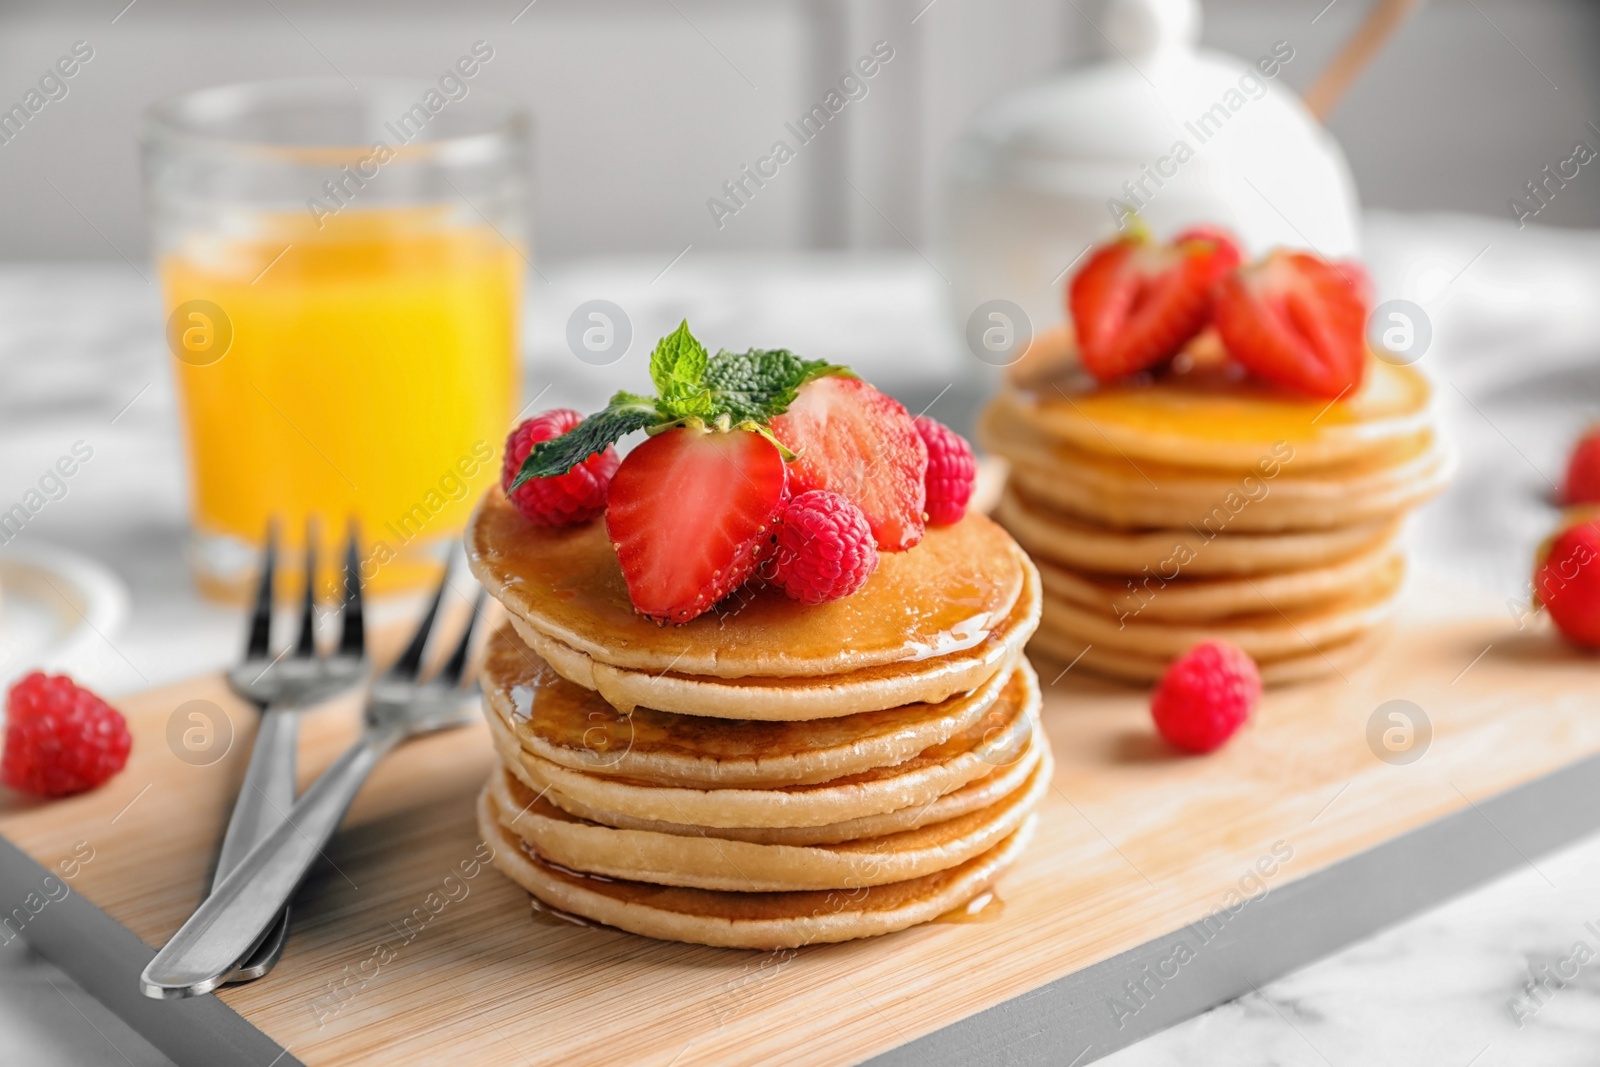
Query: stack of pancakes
x=1166 y=511
x=770 y=774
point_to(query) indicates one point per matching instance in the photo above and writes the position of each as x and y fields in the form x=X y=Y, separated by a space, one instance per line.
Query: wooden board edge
x=105 y=958
x=1091 y=1013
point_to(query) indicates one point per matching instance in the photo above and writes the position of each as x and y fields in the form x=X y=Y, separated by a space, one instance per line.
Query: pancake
x=1212 y=417
x=1183 y=599
x=1057 y=537
x=997 y=740
x=1267 y=635
x=1304 y=666
x=707 y=861
x=576 y=728
x=1115 y=492
x=745 y=920
x=789 y=699
x=941 y=597
x=970 y=797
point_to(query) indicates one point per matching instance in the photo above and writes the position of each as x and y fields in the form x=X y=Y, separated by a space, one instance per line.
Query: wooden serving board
x=405 y=950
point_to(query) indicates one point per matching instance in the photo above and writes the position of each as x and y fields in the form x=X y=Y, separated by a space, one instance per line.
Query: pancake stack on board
x=770 y=774
x=1163 y=511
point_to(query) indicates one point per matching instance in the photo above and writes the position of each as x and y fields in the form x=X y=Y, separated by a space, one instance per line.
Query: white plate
x=59 y=611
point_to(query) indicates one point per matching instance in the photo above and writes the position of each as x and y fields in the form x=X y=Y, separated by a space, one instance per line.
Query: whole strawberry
x=1205 y=695
x=952 y=472
x=569 y=499
x=1583 y=471
x=1568 y=582
x=60 y=738
x=824 y=548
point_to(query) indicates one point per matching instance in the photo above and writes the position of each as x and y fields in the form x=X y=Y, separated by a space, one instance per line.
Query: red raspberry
x=825 y=548
x=1568 y=582
x=952 y=470
x=1583 y=471
x=569 y=499
x=60 y=739
x=1205 y=696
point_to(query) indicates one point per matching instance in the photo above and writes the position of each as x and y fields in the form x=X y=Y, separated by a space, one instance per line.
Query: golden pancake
x=892 y=685
x=576 y=728
x=941 y=597
x=1268 y=635
x=1148 y=597
x=710 y=862
x=745 y=920
x=1116 y=492
x=997 y=740
x=1057 y=537
x=978 y=794
x=1214 y=417
x=1307 y=665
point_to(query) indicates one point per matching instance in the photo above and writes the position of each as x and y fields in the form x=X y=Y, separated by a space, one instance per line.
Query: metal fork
x=201 y=954
x=282 y=687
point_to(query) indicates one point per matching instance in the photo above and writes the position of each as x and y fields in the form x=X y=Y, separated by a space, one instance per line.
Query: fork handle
x=267 y=793
x=205 y=949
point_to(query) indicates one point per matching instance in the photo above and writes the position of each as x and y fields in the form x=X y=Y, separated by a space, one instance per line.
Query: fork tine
x=411 y=659
x=306 y=646
x=456 y=665
x=260 y=640
x=353 y=640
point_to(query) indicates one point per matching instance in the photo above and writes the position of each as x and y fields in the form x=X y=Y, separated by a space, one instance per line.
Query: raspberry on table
x=1205 y=696
x=1567 y=582
x=1582 y=484
x=60 y=738
x=824 y=548
x=952 y=471
x=569 y=499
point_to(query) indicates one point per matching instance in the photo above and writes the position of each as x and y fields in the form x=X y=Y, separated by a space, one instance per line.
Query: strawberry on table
x=853 y=440
x=1297 y=320
x=691 y=512
x=1136 y=303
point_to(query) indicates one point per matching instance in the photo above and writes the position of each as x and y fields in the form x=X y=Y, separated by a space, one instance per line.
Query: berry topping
x=824 y=548
x=60 y=739
x=564 y=499
x=952 y=471
x=853 y=440
x=1205 y=695
x=1583 y=471
x=1296 y=320
x=1135 y=303
x=1567 y=582
x=690 y=512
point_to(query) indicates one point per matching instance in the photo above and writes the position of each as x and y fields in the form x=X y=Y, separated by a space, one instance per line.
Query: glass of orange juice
x=342 y=273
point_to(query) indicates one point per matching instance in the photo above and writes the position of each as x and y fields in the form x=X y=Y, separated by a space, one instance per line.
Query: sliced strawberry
x=1297 y=320
x=1136 y=303
x=854 y=441
x=691 y=512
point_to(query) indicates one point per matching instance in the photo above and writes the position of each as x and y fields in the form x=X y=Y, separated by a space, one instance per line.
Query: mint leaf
x=625 y=413
x=761 y=383
x=678 y=369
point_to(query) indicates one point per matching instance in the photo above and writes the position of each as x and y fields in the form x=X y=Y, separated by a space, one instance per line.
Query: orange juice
x=369 y=372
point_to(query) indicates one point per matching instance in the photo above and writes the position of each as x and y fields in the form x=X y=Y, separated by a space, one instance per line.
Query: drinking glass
x=342 y=275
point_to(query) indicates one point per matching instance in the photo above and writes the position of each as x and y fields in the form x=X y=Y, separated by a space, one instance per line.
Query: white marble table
x=82 y=358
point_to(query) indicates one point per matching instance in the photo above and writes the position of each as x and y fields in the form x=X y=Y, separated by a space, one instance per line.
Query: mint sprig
x=728 y=391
